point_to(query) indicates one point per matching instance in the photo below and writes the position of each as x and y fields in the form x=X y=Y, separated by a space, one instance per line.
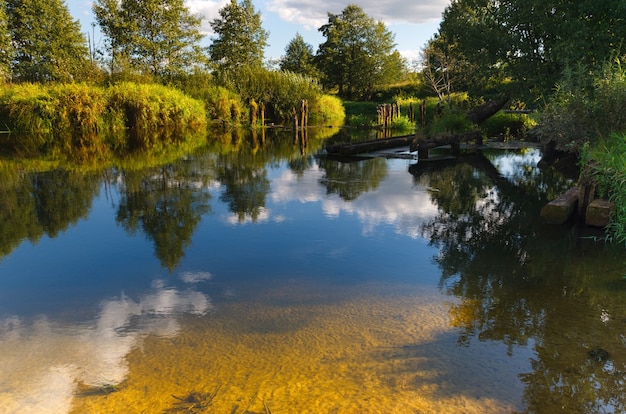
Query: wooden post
x=455 y=148
x=253 y=112
x=262 y=110
x=423 y=112
x=294 y=114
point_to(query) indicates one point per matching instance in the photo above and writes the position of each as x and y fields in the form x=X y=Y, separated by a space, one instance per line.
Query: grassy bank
x=606 y=167
x=87 y=121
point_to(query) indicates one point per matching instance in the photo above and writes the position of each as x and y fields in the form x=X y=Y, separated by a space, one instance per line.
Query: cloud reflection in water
x=44 y=362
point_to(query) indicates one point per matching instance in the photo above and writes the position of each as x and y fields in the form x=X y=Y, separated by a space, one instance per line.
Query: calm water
x=267 y=278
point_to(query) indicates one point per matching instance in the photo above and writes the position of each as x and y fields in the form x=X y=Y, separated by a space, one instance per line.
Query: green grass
x=83 y=121
x=607 y=164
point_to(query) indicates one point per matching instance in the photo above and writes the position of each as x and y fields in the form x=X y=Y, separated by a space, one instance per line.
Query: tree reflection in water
x=166 y=203
x=37 y=204
x=519 y=284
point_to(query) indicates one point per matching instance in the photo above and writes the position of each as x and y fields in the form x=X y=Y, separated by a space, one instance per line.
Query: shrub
x=507 y=124
x=586 y=107
x=326 y=110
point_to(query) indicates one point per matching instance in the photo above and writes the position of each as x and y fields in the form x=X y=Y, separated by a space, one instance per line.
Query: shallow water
x=273 y=279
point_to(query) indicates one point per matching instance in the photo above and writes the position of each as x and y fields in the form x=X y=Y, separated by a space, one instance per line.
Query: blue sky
x=413 y=22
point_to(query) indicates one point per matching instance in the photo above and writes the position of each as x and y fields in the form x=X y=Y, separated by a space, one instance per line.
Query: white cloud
x=313 y=14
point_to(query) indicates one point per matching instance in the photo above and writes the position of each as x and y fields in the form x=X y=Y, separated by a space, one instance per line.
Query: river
x=261 y=276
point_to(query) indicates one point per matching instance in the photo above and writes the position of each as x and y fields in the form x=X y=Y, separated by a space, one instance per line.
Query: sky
x=413 y=22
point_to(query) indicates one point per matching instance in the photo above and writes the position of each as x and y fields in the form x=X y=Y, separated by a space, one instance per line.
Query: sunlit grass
x=607 y=161
x=87 y=122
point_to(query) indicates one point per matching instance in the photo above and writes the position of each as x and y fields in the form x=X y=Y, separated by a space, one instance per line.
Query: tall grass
x=279 y=91
x=607 y=164
x=89 y=121
x=153 y=114
x=586 y=107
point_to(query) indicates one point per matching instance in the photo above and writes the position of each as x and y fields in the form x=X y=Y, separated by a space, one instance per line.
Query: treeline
x=161 y=40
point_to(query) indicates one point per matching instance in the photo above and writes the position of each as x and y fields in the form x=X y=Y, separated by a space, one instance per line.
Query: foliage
x=360 y=113
x=87 y=121
x=327 y=110
x=358 y=53
x=154 y=114
x=299 y=57
x=519 y=40
x=586 y=107
x=279 y=91
x=6 y=47
x=507 y=124
x=220 y=103
x=410 y=88
x=607 y=162
x=240 y=39
x=47 y=42
x=402 y=125
x=150 y=36
x=449 y=122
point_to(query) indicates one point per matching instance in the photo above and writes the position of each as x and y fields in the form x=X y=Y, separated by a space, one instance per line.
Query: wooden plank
x=352 y=148
x=559 y=210
x=599 y=213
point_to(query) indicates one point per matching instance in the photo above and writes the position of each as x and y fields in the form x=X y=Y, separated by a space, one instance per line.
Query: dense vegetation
x=561 y=60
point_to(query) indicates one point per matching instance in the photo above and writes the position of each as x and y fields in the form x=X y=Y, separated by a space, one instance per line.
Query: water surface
x=266 y=277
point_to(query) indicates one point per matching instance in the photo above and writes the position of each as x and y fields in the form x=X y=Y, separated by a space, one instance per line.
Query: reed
x=87 y=121
x=154 y=114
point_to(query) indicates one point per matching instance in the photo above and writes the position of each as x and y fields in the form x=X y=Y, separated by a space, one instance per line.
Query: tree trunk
x=486 y=110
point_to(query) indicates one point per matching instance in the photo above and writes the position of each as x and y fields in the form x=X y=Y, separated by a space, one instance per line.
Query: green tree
x=6 y=48
x=153 y=37
x=299 y=57
x=358 y=53
x=47 y=42
x=532 y=41
x=240 y=39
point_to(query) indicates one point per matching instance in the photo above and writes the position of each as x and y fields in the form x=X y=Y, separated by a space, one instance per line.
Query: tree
x=441 y=68
x=532 y=41
x=47 y=42
x=240 y=39
x=6 y=48
x=299 y=57
x=357 y=54
x=157 y=37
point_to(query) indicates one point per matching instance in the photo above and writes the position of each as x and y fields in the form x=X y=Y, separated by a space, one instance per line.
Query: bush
x=507 y=124
x=586 y=108
x=154 y=113
x=279 y=91
x=327 y=110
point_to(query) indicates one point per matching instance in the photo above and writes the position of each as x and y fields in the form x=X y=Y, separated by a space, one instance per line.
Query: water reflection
x=360 y=285
x=33 y=205
x=166 y=204
x=519 y=287
x=46 y=363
